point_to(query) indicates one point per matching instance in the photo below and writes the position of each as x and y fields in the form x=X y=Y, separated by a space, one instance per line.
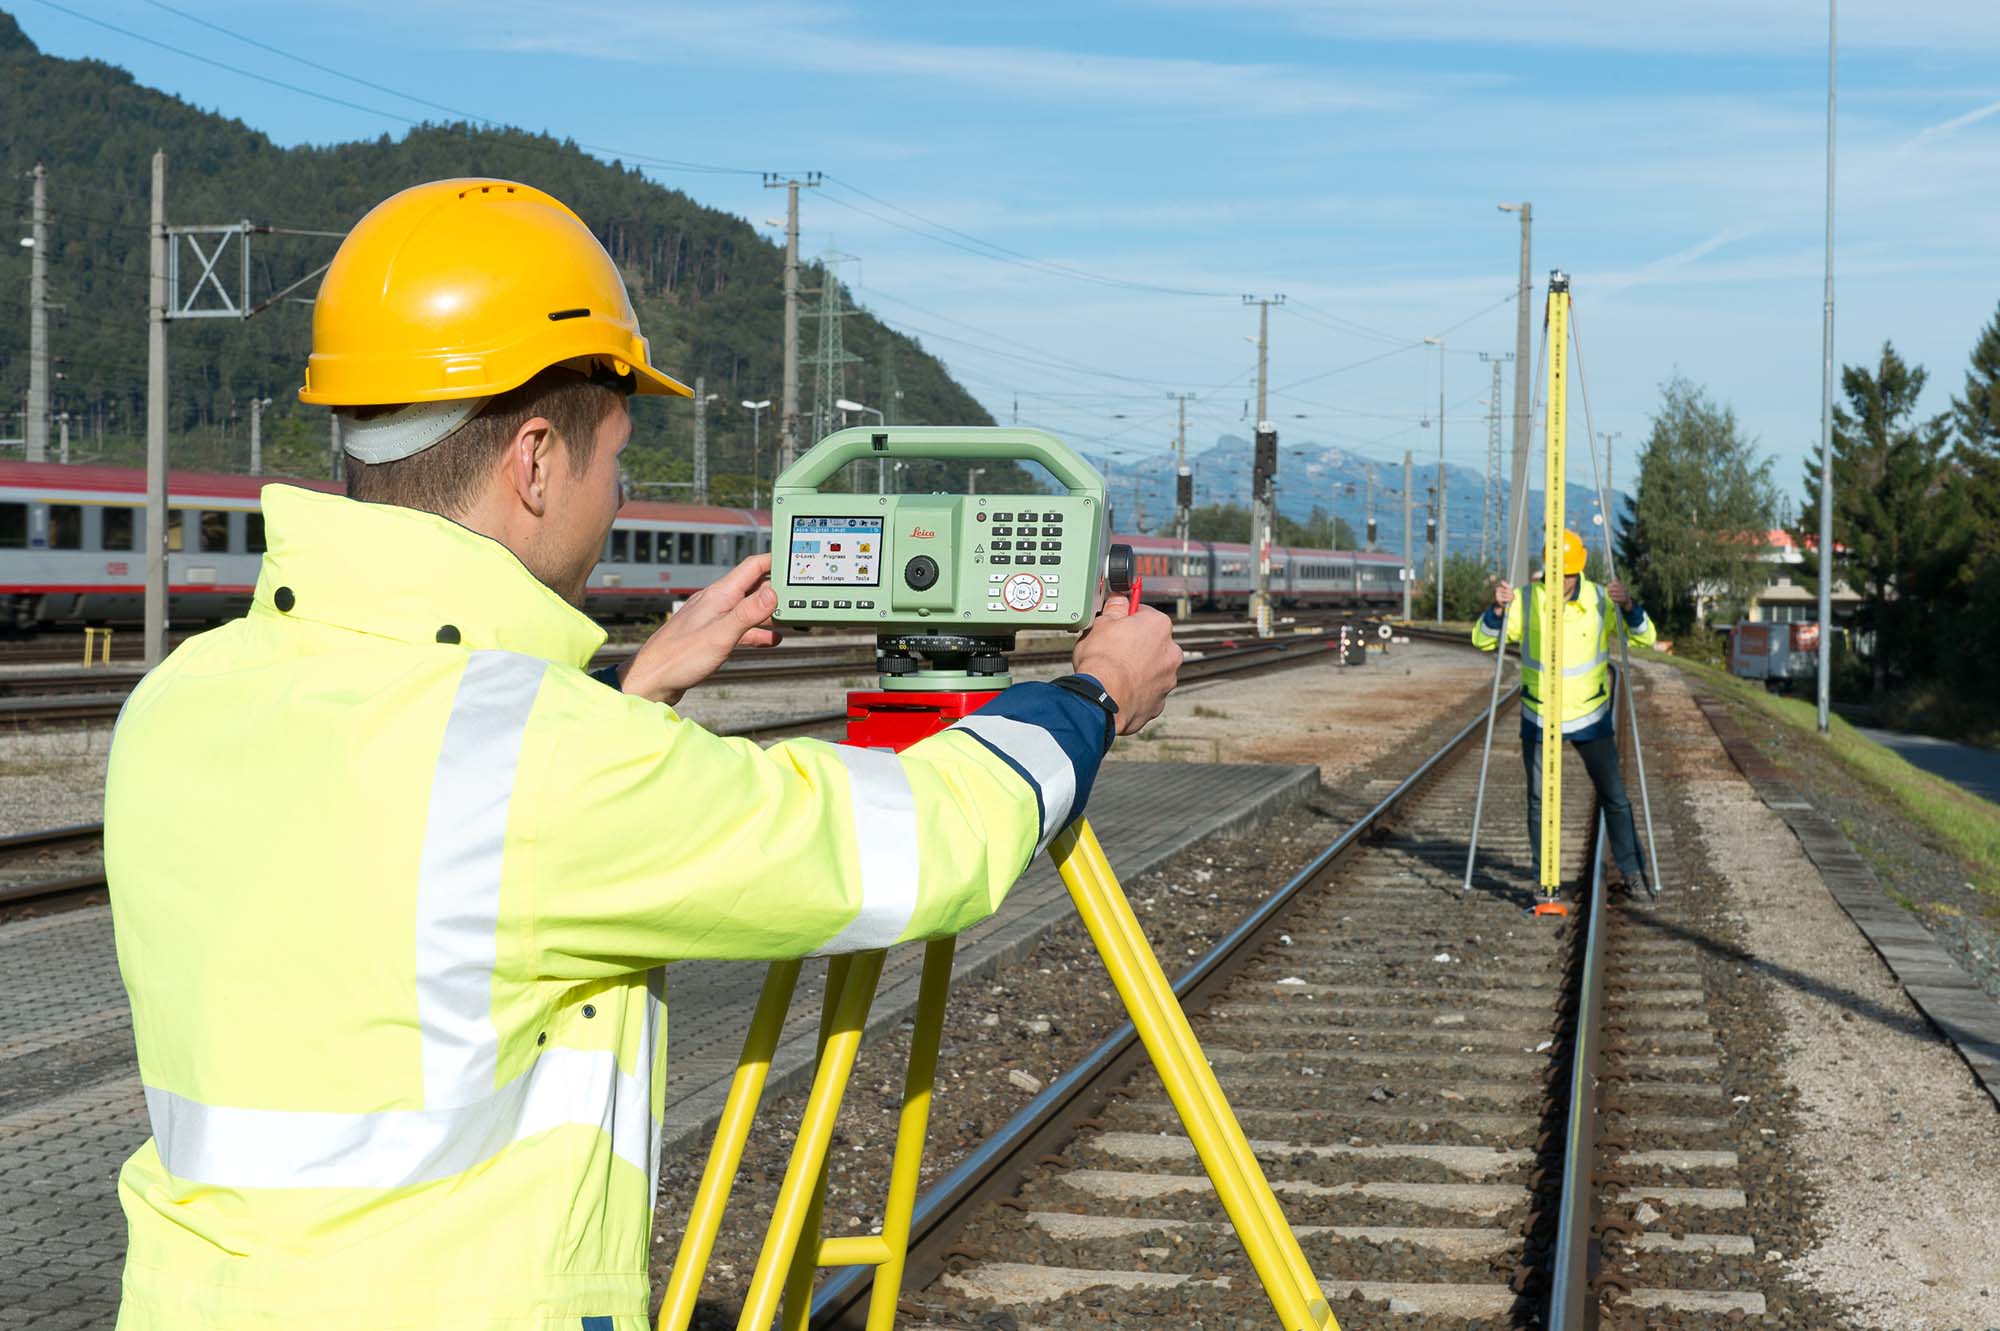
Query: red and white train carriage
x=71 y=552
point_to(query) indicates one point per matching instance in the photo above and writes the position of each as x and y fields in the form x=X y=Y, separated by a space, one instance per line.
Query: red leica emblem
x=922 y=533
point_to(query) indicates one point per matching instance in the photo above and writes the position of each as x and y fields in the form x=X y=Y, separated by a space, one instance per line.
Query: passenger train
x=70 y=553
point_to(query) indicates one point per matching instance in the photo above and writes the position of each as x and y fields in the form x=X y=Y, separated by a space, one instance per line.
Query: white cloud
x=820 y=41
x=1734 y=26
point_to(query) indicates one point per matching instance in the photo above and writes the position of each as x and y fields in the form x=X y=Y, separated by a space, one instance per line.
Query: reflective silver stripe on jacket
x=1041 y=756
x=458 y=882
x=885 y=838
x=1591 y=718
x=225 y=1146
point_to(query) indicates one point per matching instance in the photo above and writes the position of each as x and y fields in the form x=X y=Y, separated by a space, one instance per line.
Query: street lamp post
x=1825 y=681
x=881 y=466
x=1438 y=342
x=757 y=410
x=972 y=480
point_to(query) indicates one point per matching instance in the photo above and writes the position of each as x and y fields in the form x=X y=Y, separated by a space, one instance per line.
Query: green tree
x=1900 y=528
x=1231 y=522
x=1701 y=508
x=1468 y=590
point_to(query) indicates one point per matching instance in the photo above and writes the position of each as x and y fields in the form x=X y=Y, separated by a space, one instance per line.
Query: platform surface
x=71 y=1108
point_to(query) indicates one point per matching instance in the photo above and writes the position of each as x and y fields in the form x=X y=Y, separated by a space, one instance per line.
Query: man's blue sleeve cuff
x=1493 y=620
x=1635 y=618
x=608 y=675
x=1053 y=739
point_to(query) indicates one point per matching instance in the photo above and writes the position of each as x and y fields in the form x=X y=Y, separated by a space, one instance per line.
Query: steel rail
x=994 y=1169
x=1572 y=1301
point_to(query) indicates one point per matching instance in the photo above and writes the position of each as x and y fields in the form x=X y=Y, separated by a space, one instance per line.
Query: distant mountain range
x=1143 y=491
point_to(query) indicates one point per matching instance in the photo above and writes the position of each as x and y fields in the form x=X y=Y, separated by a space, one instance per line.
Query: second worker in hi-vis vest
x=1588 y=717
x=394 y=877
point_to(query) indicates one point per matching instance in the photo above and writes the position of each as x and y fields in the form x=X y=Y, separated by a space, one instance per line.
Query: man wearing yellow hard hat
x=394 y=946
x=1588 y=718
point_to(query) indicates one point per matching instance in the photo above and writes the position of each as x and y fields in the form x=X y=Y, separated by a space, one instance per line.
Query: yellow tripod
x=794 y=1246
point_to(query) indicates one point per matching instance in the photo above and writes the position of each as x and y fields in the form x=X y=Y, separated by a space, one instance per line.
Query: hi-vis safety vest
x=393 y=880
x=1586 y=651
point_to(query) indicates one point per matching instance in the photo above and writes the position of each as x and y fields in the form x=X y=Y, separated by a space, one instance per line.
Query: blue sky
x=1347 y=153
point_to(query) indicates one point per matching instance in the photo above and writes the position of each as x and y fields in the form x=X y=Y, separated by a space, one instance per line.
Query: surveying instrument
x=946 y=582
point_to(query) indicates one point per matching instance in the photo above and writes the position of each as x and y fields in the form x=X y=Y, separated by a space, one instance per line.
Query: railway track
x=96 y=695
x=1472 y=1117
x=38 y=892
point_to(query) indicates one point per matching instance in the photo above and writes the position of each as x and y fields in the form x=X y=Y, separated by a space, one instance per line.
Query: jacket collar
x=409 y=575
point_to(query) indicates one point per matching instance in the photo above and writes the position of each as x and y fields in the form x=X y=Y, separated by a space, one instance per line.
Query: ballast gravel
x=1900 y=1146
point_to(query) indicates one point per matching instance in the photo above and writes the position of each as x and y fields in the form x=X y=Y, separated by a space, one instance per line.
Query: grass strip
x=1967 y=824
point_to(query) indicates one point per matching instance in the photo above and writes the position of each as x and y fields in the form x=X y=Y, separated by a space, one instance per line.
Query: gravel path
x=52 y=777
x=1895 y=1141
x=1917 y=871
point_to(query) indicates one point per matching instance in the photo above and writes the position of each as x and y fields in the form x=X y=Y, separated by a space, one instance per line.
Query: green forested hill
x=707 y=286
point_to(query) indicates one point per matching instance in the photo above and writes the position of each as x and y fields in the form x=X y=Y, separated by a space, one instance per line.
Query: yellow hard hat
x=1574 y=557
x=464 y=289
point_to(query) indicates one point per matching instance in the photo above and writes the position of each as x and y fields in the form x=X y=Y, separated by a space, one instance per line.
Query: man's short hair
x=447 y=477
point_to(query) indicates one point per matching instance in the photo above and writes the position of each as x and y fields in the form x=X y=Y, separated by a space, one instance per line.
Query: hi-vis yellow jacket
x=1586 y=651
x=393 y=880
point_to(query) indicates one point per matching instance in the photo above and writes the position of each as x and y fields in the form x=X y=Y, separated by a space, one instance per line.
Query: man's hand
x=1618 y=593
x=1503 y=595
x=733 y=611
x=1132 y=653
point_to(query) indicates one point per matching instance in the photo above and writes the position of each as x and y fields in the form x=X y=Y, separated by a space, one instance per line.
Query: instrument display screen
x=836 y=552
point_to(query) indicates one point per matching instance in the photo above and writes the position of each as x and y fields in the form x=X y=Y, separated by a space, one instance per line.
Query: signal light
x=1264 y=465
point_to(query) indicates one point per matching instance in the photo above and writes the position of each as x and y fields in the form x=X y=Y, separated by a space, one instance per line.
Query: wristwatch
x=1083 y=686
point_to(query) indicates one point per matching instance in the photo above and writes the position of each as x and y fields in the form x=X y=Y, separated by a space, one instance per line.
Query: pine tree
x=1900 y=527
x=1974 y=600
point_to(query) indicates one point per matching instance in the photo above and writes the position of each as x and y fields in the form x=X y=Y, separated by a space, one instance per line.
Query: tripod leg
x=790 y=1256
x=1639 y=761
x=1162 y=1026
x=932 y=996
x=746 y=1088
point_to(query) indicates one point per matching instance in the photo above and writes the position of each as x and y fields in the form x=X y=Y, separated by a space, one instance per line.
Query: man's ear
x=530 y=459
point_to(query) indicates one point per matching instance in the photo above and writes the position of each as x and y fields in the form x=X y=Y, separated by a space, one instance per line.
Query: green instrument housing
x=974 y=566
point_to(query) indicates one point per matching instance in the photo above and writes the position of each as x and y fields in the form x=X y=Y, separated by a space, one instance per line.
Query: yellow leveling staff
x=1554 y=479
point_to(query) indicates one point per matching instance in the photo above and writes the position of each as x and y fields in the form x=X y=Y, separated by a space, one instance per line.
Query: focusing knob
x=1118 y=569
x=921 y=573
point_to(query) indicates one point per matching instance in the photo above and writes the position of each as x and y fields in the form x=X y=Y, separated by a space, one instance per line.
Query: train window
x=176 y=530
x=707 y=549
x=742 y=545
x=213 y=531
x=253 y=533
x=686 y=543
x=121 y=527
x=13 y=526
x=663 y=547
x=642 y=547
x=65 y=527
x=621 y=547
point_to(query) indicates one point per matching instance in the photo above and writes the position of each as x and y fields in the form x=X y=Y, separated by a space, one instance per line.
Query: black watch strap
x=1083 y=686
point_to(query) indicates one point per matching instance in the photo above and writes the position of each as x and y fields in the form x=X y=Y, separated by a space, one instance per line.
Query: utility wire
x=1000 y=253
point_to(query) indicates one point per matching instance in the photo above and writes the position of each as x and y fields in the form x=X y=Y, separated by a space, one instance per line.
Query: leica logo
x=922 y=533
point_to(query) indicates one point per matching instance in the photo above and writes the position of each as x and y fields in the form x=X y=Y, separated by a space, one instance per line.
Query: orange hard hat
x=464 y=289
